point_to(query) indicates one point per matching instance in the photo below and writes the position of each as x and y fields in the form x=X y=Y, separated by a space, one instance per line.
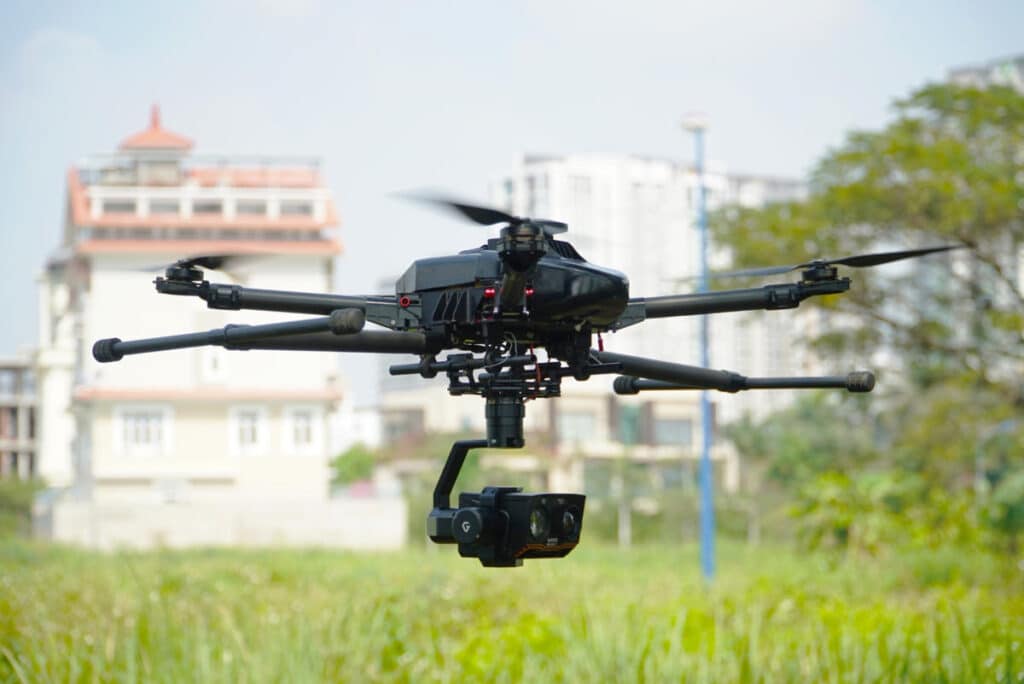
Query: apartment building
x=203 y=445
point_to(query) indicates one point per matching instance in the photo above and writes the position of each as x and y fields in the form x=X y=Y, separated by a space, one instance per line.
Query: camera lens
x=568 y=522
x=538 y=523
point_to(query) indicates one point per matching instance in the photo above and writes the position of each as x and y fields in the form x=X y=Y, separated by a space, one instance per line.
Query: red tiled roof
x=156 y=137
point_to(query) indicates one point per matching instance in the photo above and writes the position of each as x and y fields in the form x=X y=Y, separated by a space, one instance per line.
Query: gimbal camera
x=502 y=525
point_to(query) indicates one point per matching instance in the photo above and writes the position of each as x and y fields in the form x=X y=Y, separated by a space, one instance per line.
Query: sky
x=409 y=95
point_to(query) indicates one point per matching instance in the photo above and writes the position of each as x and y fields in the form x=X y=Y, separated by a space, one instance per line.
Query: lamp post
x=697 y=124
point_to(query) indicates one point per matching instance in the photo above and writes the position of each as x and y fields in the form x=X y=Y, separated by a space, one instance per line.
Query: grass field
x=425 y=615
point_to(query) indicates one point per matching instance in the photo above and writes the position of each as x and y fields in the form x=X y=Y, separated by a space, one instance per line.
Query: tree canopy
x=948 y=169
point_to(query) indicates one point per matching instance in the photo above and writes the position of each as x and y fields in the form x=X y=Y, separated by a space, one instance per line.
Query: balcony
x=225 y=193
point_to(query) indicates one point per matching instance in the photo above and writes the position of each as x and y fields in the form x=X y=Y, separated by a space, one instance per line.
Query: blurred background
x=282 y=131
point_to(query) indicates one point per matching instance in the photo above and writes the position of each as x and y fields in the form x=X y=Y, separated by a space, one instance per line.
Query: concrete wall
x=371 y=523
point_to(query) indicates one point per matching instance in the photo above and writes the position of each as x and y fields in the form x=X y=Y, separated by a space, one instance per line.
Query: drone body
x=497 y=305
x=460 y=294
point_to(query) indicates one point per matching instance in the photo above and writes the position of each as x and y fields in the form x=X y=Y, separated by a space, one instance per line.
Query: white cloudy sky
x=396 y=95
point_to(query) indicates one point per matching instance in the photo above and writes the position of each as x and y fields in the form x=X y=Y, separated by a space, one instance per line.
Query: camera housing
x=502 y=526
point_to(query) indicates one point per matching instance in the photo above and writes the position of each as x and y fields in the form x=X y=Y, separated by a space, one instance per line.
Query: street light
x=697 y=124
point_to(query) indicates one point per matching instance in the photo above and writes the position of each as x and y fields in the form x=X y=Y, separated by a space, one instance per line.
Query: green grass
x=598 y=615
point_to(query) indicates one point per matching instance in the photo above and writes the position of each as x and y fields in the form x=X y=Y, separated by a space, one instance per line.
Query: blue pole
x=707 y=500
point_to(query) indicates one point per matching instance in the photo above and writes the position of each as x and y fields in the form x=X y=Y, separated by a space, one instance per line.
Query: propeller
x=211 y=261
x=487 y=216
x=858 y=261
x=187 y=268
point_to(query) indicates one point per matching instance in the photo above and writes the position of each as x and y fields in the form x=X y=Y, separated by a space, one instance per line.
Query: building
x=194 y=446
x=636 y=215
x=1008 y=71
x=639 y=215
x=17 y=419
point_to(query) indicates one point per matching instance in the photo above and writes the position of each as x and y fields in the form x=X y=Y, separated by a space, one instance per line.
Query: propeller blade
x=488 y=216
x=858 y=261
x=485 y=216
x=865 y=260
x=754 y=272
x=211 y=261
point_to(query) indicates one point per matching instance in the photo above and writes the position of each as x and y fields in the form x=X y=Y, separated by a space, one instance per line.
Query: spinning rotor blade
x=487 y=216
x=213 y=262
x=859 y=261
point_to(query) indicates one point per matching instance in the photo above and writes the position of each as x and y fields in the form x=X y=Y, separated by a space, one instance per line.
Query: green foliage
x=16 y=498
x=946 y=170
x=821 y=432
x=902 y=469
x=416 y=616
x=354 y=465
x=880 y=511
x=1006 y=509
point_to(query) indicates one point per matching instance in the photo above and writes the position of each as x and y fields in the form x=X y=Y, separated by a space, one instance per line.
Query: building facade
x=638 y=215
x=142 y=449
x=1008 y=71
x=17 y=419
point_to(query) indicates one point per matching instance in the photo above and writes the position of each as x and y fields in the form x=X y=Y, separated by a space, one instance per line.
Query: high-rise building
x=1008 y=71
x=638 y=215
x=197 y=445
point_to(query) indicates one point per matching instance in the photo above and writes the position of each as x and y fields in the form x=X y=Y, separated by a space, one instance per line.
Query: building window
x=119 y=206
x=164 y=207
x=303 y=429
x=673 y=432
x=296 y=208
x=8 y=381
x=251 y=208
x=579 y=186
x=399 y=424
x=207 y=207
x=576 y=426
x=249 y=428
x=142 y=431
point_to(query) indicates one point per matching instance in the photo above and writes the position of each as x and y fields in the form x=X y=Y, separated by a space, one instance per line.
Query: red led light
x=489 y=292
x=404 y=302
x=529 y=292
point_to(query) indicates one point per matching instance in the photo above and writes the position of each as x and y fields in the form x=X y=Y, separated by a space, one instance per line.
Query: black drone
x=497 y=305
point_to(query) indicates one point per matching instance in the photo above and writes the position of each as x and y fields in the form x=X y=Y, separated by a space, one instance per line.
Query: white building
x=17 y=419
x=194 y=446
x=1008 y=71
x=638 y=215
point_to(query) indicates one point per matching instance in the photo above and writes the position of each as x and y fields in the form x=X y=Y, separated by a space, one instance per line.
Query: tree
x=947 y=170
x=353 y=465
